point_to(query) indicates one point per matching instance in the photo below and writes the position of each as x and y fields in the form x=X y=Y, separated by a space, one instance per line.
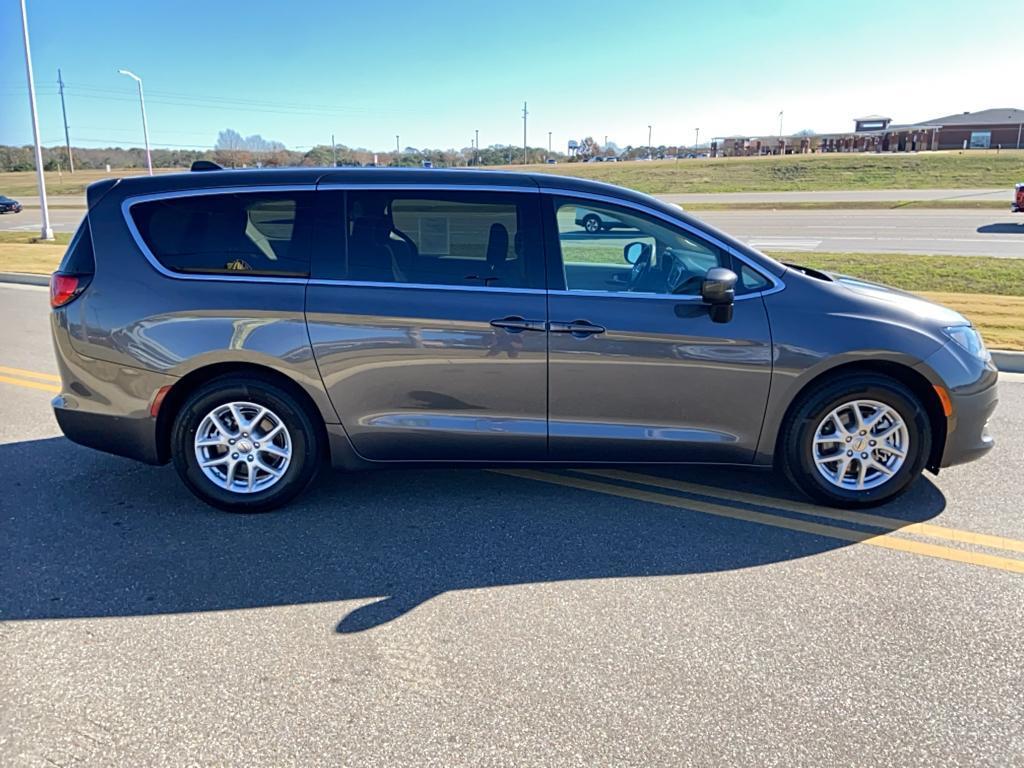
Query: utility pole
x=476 y=135
x=334 y=152
x=525 y=152
x=650 y=149
x=696 y=137
x=397 y=150
x=67 y=136
x=781 y=140
x=549 y=142
x=47 y=230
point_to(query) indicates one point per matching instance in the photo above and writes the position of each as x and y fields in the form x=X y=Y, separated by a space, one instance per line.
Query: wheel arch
x=179 y=393
x=911 y=378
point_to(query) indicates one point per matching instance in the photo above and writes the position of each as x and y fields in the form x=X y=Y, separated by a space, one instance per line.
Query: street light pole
x=47 y=230
x=476 y=158
x=145 y=125
x=781 y=140
x=696 y=138
x=650 y=149
x=397 y=150
x=549 y=142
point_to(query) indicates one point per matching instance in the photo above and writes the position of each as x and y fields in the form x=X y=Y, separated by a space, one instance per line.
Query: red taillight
x=63 y=288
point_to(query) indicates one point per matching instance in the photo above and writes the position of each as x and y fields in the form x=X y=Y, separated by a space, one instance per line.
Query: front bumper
x=967 y=436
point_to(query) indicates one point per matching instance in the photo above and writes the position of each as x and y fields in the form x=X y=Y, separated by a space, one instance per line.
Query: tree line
x=234 y=151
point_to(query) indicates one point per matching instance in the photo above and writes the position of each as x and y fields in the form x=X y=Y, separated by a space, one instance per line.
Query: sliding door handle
x=516 y=324
x=578 y=328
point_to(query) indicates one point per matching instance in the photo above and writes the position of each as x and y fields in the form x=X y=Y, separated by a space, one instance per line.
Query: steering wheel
x=640 y=269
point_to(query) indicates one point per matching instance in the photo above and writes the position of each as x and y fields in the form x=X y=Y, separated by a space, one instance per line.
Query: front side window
x=616 y=249
x=251 y=233
x=485 y=240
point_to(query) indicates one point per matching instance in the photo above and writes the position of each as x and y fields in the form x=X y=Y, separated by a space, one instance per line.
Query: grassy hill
x=930 y=170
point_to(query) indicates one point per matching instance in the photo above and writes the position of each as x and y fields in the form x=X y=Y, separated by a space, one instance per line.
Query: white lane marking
x=24 y=287
x=796 y=244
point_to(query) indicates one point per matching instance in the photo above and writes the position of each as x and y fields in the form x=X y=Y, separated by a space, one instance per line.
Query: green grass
x=911 y=272
x=23 y=183
x=60 y=238
x=928 y=170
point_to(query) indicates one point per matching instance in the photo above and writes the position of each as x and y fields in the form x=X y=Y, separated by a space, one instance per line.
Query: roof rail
x=206 y=165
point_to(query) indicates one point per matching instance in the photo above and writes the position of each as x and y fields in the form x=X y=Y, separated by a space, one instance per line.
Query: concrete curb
x=1009 y=362
x=24 y=278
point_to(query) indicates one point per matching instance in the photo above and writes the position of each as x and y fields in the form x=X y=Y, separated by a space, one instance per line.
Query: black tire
x=796 y=440
x=591 y=223
x=304 y=436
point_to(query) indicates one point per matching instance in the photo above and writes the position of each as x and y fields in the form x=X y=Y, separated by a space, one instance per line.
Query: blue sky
x=433 y=72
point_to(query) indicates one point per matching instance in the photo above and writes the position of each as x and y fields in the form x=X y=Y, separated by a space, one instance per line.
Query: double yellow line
x=891 y=532
x=19 y=377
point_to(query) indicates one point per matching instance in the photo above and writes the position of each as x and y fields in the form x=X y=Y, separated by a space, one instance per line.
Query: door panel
x=420 y=374
x=400 y=320
x=654 y=379
x=661 y=383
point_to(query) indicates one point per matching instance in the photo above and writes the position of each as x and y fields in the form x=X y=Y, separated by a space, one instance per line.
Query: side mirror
x=719 y=291
x=632 y=252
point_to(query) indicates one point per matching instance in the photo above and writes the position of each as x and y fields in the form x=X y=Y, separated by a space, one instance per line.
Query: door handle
x=578 y=328
x=516 y=324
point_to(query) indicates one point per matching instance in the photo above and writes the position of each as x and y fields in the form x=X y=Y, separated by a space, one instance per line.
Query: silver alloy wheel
x=243 y=447
x=860 y=445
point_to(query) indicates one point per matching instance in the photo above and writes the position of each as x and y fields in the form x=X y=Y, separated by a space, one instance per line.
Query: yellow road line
x=29 y=384
x=818 y=529
x=28 y=374
x=804 y=508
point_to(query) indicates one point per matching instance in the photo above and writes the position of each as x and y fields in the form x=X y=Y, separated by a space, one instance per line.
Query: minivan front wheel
x=857 y=442
x=244 y=445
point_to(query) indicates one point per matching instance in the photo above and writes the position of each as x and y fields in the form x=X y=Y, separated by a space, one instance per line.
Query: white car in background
x=592 y=221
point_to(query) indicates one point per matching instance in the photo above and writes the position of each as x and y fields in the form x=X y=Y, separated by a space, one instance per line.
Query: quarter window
x=258 y=233
x=485 y=240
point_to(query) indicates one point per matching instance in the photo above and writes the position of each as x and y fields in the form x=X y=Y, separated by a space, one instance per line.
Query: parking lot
x=452 y=617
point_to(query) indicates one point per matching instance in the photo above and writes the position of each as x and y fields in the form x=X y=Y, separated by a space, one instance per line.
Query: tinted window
x=487 y=240
x=259 y=233
x=78 y=258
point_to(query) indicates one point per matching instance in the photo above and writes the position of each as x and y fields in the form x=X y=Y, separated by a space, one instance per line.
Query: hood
x=915 y=306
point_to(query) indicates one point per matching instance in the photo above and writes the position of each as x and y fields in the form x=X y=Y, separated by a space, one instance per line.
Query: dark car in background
x=9 y=205
x=1017 y=206
x=253 y=325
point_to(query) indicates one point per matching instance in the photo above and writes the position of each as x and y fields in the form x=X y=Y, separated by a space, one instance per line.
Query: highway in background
x=957 y=232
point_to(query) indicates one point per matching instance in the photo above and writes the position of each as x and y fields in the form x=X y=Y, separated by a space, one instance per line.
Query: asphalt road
x=477 y=618
x=957 y=232
x=960 y=232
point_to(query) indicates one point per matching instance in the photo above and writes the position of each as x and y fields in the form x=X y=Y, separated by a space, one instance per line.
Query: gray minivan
x=253 y=325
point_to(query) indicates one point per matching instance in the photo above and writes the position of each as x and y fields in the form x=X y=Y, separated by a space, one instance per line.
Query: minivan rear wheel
x=855 y=442
x=244 y=445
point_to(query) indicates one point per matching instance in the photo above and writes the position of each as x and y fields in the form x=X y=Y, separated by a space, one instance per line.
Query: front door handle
x=578 y=328
x=516 y=324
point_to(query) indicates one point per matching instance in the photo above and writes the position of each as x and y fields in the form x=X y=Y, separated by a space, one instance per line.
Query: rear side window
x=253 y=233
x=487 y=240
x=78 y=259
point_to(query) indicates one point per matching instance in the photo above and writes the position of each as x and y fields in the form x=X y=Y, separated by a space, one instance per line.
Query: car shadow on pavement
x=83 y=534
x=1002 y=228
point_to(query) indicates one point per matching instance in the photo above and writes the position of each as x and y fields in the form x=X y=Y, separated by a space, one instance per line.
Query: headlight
x=968 y=338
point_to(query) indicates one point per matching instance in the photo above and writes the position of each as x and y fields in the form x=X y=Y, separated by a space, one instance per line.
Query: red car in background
x=1017 y=206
